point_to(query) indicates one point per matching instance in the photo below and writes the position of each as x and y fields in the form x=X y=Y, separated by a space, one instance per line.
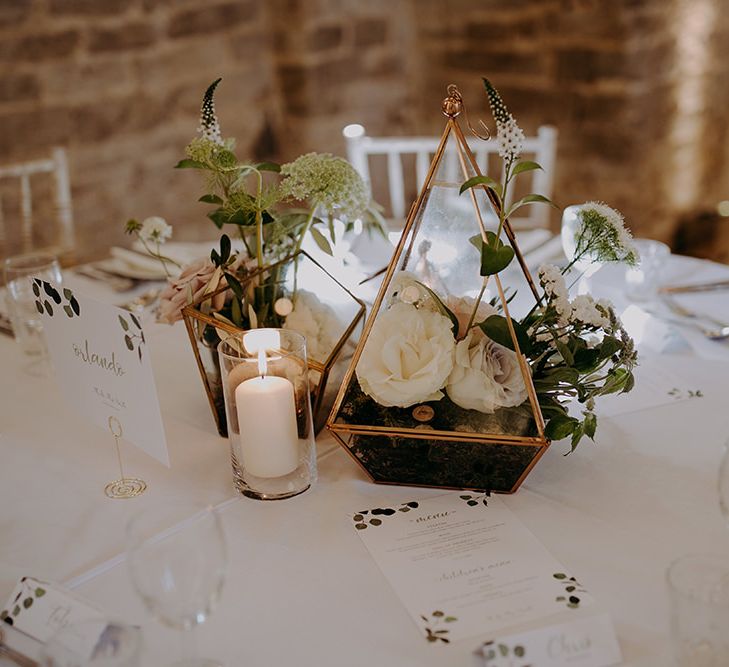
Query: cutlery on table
x=117 y=283
x=698 y=287
x=717 y=331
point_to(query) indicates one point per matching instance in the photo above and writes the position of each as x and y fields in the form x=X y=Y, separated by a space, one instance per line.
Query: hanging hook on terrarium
x=452 y=107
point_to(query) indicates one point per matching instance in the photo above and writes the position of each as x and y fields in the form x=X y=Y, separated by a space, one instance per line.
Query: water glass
x=178 y=568
x=19 y=272
x=93 y=643
x=642 y=281
x=699 y=597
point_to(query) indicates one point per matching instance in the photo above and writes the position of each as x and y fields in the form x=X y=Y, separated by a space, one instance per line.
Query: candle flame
x=262 y=364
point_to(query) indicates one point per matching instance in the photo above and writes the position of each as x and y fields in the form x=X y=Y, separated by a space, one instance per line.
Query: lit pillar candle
x=269 y=436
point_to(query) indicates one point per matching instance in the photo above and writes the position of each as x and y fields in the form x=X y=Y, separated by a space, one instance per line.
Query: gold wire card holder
x=296 y=276
x=438 y=443
x=124 y=487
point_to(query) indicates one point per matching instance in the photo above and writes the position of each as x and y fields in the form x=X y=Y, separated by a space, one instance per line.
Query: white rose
x=408 y=356
x=317 y=322
x=486 y=375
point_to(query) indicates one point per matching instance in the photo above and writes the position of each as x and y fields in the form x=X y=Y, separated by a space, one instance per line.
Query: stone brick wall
x=636 y=88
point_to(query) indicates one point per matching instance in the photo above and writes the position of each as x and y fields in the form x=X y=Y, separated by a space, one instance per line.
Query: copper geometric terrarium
x=439 y=443
x=336 y=316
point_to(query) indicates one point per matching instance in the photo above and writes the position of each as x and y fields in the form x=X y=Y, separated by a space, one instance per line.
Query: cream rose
x=408 y=356
x=462 y=308
x=486 y=375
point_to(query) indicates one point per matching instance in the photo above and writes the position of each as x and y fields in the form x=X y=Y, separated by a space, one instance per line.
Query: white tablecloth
x=301 y=587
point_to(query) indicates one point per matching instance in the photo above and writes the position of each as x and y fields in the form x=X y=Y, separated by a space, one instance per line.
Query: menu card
x=100 y=357
x=463 y=565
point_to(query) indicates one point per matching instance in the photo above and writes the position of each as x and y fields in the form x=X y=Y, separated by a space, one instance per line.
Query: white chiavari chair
x=396 y=150
x=56 y=167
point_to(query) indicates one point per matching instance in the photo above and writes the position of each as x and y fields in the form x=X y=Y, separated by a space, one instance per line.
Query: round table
x=301 y=588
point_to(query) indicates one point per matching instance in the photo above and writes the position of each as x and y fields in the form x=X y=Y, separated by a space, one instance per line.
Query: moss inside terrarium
x=481 y=465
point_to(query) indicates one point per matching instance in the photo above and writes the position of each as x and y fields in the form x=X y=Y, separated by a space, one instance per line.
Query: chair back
x=399 y=152
x=22 y=235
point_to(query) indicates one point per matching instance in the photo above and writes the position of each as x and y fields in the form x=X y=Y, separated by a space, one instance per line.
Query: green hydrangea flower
x=327 y=181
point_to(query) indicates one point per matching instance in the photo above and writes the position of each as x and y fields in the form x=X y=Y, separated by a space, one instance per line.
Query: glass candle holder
x=268 y=408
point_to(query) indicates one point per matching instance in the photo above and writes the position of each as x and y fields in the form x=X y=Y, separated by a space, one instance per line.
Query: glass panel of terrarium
x=322 y=308
x=481 y=388
x=438 y=251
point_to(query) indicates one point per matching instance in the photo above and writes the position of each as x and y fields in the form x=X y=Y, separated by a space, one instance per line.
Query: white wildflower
x=509 y=135
x=555 y=288
x=602 y=235
x=155 y=229
x=511 y=139
x=584 y=310
x=209 y=125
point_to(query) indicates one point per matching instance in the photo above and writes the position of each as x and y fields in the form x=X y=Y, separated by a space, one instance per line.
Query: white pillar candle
x=269 y=435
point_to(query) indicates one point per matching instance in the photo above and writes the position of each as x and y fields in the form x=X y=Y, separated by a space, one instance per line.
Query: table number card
x=101 y=361
x=464 y=565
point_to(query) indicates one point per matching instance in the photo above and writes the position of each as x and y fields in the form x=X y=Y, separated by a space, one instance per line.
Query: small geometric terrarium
x=295 y=293
x=438 y=392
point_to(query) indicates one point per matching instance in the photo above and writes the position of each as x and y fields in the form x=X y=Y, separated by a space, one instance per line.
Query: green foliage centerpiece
x=447 y=387
x=259 y=275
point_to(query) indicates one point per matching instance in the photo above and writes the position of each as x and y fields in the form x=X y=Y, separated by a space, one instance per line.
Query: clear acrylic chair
x=401 y=153
x=20 y=231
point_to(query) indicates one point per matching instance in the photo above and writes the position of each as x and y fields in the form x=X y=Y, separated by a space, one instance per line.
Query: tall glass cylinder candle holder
x=268 y=408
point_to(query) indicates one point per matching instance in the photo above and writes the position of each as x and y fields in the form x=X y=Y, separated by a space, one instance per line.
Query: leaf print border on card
x=374 y=517
x=45 y=293
x=571 y=587
x=133 y=336
x=433 y=627
x=25 y=598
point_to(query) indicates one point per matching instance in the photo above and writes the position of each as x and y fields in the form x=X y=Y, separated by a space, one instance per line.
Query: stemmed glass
x=585 y=266
x=178 y=568
x=724 y=482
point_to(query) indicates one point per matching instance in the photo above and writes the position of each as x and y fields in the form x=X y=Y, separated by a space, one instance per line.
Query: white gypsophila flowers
x=328 y=181
x=155 y=229
x=602 y=234
x=555 y=288
x=585 y=310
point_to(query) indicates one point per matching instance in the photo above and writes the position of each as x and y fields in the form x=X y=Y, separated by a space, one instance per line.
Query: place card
x=101 y=361
x=40 y=609
x=464 y=565
x=584 y=642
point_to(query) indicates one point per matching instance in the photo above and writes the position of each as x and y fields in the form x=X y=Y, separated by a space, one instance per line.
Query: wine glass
x=178 y=568
x=585 y=266
x=27 y=323
x=724 y=482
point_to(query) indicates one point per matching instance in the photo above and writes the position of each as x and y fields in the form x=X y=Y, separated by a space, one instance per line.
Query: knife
x=700 y=287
